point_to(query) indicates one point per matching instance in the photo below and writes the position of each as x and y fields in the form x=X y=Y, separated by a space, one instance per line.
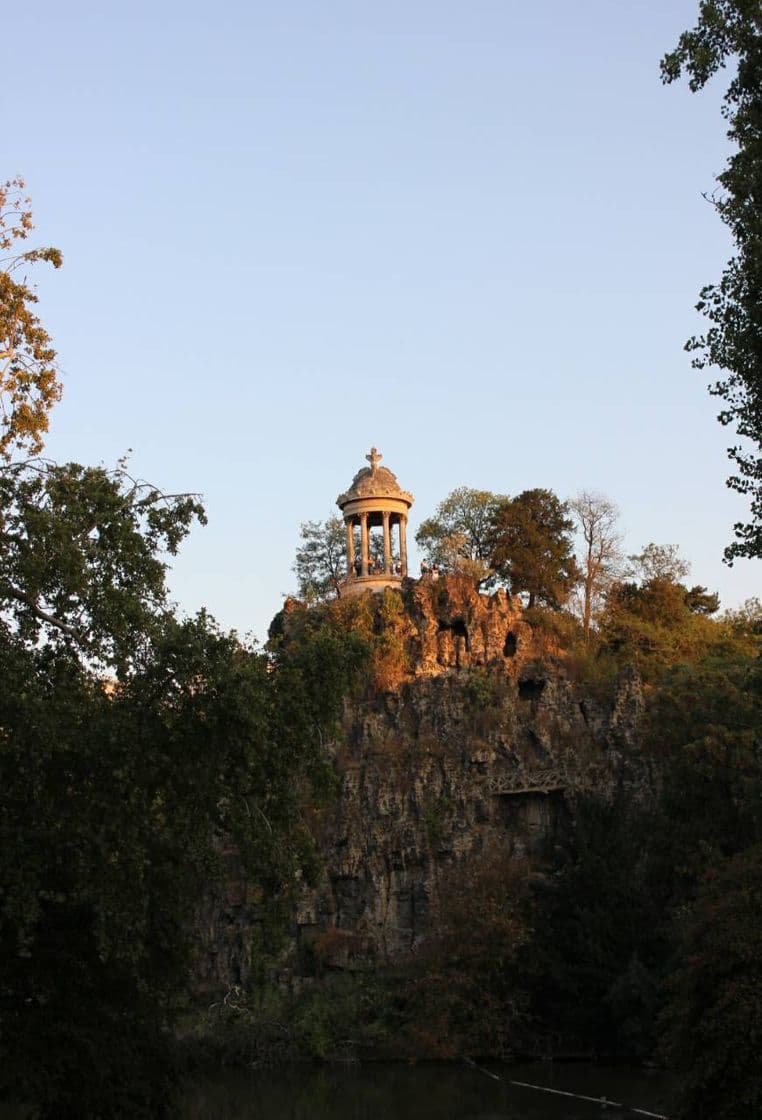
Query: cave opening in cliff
x=458 y=628
x=531 y=689
x=511 y=644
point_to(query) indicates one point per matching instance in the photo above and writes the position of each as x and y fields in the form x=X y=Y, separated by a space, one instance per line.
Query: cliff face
x=451 y=626
x=446 y=771
x=482 y=750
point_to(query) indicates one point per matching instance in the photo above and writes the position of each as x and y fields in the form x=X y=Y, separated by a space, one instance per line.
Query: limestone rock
x=483 y=748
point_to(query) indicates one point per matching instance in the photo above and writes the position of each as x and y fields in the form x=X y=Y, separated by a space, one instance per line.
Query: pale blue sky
x=471 y=234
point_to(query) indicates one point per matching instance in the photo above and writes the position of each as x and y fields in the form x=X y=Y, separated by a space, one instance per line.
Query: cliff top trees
x=533 y=549
x=732 y=30
x=597 y=519
x=652 y=614
x=523 y=542
x=321 y=559
x=658 y=561
x=460 y=535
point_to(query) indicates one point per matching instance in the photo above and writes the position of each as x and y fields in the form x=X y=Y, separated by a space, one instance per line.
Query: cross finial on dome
x=374 y=459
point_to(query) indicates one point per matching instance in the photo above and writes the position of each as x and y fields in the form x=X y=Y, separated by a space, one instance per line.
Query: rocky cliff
x=482 y=747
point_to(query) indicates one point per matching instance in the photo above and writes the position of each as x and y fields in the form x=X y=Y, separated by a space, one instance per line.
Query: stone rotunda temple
x=373 y=502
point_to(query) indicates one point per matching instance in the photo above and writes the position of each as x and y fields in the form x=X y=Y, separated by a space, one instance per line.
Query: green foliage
x=82 y=557
x=241 y=1029
x=620 y=908
x=590 y=664
x=701 y=601
x=713 y=1021
x=390 y=658
x=321 y=559
x=523 y=541
x=592 y=966
x=112 y=803
x=594 y=670
x=130 y=744
x=558 y=625
x=342 y=1015
x=464 y=994
x=731 y=30
x=702 y=731
x=745 y=620
x=460 y=535
x=335 y=1017
x=661 y=622
x=368 y=637
x=533 y=550
x=658 y=561
x=484 y=688
x=29 y=385
x=319 y=656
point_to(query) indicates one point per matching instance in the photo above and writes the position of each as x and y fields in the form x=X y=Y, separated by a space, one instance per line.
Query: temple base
x=358 y=585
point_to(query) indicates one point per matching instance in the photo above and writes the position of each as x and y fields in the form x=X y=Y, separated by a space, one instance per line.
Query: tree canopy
x=730 y=31
x=713 y=1022
x=600 y=561
x=658 y=561
x=83 y=556
x=131 y=741
x=460 y=535
x=321 y=559
x=533 y=549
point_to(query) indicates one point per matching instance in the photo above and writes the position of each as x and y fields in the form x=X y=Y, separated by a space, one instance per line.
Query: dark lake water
x=427 y=1091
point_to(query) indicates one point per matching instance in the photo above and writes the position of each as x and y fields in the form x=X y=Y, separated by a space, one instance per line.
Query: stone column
x=387 y=545
x=403 y=544
x=350 y=549
x=364 y=542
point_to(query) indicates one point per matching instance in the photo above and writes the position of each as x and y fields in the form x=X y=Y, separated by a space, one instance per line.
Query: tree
x=321 y=560
x=111 y=801
x=702 y=731
x=597 y=518
x=660 y=622
x=732 y=30
x=713 y=1020
x=533 y=548
x=130 y=741
x=701 y=601
x=82 y=557
x=591 y=966
x=654 y=615
x=29 y=385
x=460 y=535
x=702 y=734
x=746 y=619
x=658 y=561
x=466 y=993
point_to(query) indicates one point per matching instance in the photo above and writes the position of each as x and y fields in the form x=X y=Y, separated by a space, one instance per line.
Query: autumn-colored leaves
x=29 y=383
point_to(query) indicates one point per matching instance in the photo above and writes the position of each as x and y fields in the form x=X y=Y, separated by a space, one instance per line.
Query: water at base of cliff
x=428 y=1091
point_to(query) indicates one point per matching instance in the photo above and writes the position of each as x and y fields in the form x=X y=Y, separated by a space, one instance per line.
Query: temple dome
x=381 y=483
